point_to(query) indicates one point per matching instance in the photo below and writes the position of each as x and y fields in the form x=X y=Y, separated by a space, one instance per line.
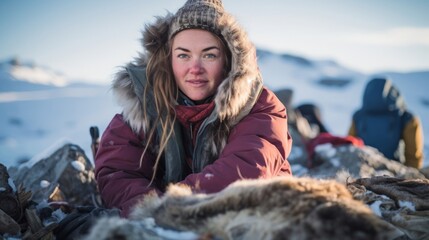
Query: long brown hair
x=160 y=82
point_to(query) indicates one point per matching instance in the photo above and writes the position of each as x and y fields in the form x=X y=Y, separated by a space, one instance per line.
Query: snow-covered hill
x=16 y=75
x=41 y=109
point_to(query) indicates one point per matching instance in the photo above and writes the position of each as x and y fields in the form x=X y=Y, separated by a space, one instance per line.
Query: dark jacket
x=383 y=122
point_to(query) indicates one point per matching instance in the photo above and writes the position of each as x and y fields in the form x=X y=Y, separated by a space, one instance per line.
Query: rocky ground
x=35 y=197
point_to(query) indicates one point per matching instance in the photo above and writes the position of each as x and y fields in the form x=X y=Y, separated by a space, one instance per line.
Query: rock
x=425 y=171
x=62 y=181
x=9 y=201
x=10 y=208
x=66 y=175
x=360 y=162
x=8 y=224
x=37 y=229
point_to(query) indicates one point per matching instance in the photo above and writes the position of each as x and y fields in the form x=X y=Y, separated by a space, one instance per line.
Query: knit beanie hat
x=198 y=14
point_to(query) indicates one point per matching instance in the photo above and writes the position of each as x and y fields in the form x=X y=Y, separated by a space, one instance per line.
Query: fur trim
x=126 y=90
x=235 y=96
x=132 y=109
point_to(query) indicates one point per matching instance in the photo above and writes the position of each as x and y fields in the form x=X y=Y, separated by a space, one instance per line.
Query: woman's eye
x=182 y=56
x=210 y=55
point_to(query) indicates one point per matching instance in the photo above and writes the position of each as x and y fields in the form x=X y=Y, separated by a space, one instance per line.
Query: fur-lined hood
x=235 y=96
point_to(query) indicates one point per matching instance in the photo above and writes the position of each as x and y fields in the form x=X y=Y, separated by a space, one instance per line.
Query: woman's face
x=198 y=61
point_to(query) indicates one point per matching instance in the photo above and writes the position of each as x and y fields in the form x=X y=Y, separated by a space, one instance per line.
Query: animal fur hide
x=279 y=208
x=402 y=202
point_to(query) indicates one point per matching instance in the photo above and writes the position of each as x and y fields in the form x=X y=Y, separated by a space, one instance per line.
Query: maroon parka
x=243 y=135
x=257 y=147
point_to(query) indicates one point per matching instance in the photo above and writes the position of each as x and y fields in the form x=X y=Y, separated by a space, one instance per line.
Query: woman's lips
x=197 y=82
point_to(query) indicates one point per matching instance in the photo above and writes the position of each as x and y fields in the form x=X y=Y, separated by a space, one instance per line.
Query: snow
x=38 y=75
x=42 y=111
x=48 y=94
x=326 y=149
x=167 y=234
x=296 y=153
x=44 y=183
x=11 y=184
x=375 y=207
x=336 y=162
x=37 y=119
x=58 y=214
x=407 y=204
x=78 y=166
x=39 y=116
x=299 y=170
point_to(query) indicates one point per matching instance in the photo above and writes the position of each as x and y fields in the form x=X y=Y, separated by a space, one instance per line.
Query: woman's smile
x=197 y=82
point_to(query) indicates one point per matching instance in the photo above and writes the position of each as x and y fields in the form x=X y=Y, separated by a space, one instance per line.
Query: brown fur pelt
x=402 y=202
x=415 y=191
x=279 y=208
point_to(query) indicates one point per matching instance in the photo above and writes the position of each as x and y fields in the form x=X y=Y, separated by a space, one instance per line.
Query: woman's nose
x=196 y=66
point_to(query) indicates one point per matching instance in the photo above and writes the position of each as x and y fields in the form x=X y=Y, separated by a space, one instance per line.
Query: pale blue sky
x=88 y=39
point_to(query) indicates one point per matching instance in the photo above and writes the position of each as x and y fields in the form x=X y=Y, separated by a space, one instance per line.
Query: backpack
x=382 y=131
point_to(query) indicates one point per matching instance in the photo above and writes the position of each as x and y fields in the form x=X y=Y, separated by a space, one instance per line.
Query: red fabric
x=194 y=115
x=257 y=147
x=323 y=138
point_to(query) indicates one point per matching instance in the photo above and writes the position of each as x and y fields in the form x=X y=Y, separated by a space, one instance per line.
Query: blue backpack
x=382 y=131
x=382 y=118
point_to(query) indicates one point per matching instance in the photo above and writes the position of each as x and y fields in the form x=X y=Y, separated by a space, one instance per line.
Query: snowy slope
x=16 y=75
x=36 y=116
x=44 y=111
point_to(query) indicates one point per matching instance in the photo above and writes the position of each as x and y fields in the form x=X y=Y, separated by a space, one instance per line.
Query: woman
x=195 y=112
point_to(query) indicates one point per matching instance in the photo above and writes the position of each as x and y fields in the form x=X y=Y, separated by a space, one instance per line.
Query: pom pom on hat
x=198 y=14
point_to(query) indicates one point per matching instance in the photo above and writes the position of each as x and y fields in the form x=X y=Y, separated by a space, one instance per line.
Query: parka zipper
x=192 y=135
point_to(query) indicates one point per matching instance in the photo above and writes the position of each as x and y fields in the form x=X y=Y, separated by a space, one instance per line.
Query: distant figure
x=384 y=123
x=296 y=122
x=305 y=125
x=305 y=119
